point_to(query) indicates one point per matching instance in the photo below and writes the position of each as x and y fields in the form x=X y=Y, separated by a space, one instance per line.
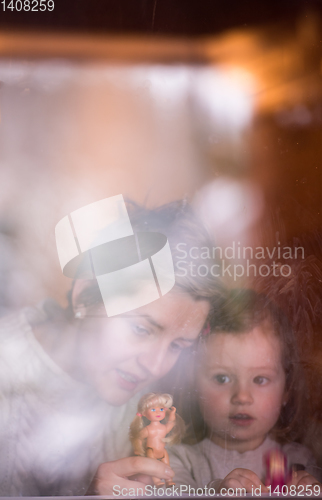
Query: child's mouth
x=241 y=419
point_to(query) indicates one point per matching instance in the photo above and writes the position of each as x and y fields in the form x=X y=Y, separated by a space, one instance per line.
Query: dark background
x=175 y=17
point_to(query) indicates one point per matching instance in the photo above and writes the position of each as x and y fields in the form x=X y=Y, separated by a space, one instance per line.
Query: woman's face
x=120 y=356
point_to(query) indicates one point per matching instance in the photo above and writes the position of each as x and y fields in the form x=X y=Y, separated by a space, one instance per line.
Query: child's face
x=241 y=386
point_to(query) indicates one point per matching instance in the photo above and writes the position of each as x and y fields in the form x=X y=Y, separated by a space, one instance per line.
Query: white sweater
x=54 y=432
x=204 y=462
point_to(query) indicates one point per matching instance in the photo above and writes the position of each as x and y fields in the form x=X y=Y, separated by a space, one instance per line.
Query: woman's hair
x=178 y=222
x=240 y=312
x=147 y=401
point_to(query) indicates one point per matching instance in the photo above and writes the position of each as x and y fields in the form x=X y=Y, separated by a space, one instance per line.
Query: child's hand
x=243 y=478
x=303 y=478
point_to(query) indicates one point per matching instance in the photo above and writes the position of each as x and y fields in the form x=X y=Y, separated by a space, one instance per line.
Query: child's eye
x=152 y=409
x=260 y=380
x=174 y=346
x=221 y=379
x=161 y=409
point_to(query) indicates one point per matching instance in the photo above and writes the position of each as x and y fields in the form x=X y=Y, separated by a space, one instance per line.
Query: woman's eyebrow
x=147 y=317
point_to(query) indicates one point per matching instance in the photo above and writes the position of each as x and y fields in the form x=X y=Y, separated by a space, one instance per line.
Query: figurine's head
x=153 y=406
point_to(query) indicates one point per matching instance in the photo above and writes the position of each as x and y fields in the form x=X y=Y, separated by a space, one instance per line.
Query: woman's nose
x=241 y=394
x=153 y=360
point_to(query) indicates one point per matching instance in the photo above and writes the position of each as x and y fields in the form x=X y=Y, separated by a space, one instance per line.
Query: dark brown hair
x=178 y=222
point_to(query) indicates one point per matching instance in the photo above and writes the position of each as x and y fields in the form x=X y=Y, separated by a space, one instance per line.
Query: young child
x=250 y=391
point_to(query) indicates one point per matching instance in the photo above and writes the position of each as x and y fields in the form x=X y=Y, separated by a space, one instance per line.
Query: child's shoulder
x=193 y=452
x=185 y=449
x=298 y=454
x=191 y=463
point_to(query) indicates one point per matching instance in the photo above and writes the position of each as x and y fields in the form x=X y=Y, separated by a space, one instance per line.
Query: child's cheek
x=270 y=410
x=205 y=393
x=212 y=401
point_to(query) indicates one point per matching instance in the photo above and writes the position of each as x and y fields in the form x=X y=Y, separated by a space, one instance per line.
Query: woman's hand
x=114 y=477
x=242 y=478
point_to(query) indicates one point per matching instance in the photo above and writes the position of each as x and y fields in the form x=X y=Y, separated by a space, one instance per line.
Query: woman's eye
x=221 y=379
x=140 y=330
x=260 y=380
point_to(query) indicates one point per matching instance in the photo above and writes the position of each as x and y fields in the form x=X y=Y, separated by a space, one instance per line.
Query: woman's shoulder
x=18 y=323
x=12 y=327
x=22 y=359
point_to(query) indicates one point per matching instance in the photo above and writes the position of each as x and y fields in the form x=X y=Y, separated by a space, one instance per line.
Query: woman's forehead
x=173 y=310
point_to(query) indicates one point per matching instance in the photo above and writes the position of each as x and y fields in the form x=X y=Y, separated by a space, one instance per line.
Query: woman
x=71 y=379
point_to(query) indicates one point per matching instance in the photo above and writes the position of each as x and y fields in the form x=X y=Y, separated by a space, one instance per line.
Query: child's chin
x=238 y=434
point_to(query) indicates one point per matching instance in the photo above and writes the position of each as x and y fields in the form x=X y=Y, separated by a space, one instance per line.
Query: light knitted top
x=54 y=432
x=204 y=462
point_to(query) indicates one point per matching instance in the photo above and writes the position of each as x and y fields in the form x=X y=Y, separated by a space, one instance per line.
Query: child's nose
x=241 y=394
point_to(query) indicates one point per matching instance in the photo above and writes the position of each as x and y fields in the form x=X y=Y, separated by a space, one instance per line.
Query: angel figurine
x=155 y=424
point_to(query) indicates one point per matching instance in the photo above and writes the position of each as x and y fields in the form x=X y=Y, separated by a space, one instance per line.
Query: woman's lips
x=127 y=380
x=241 y=419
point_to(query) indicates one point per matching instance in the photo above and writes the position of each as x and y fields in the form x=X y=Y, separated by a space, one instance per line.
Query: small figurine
x=277 y=471
x=155 y=419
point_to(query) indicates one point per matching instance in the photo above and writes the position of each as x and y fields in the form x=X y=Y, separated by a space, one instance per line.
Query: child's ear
x=285 y=399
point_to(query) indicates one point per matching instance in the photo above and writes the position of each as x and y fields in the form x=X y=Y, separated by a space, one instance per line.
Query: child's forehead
x=262 y=333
